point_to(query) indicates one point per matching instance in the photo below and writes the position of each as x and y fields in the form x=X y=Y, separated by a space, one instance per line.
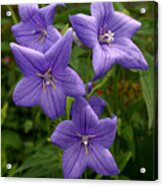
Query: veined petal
x=53 y=102
x=48 y=12
x=74 y=161
x=131 y=56
x=70 y=82
x=102 y=161
x=52 y=37
x=64 y=135
x=86 y=28
x=27 y=92
x=84 y=117
x=30 y=61
x=123 y=52
x=102 y=11
x=58 y=55
x=97 y=104
x=26 y=11
x=106 y=131
x=123 y=26
x=25 y=35
x=103 y=59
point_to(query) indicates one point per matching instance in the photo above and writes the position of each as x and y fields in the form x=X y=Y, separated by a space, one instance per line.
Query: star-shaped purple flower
x=109 y=34
x=35 y=29
x=47 y=78
x=85 y=141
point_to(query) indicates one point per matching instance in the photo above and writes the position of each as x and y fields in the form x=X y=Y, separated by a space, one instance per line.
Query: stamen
x=41 y=36
x=85 y=139
x=48 y=79
x=106 y=36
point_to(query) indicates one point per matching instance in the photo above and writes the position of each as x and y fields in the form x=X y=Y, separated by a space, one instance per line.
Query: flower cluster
x=43 y=54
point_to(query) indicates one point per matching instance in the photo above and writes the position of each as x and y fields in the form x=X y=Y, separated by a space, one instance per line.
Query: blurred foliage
x=131 y=95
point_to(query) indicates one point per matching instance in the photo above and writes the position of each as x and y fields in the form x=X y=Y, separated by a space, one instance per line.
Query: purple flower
x=109 y=34
x=85 y=141
x=35 y=29
x=97 y=104
x=47 y=78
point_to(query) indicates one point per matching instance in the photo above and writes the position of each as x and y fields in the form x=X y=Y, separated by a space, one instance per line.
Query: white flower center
x=106 y=36
x=48 y=79
x=85 y=140
x=41 y=35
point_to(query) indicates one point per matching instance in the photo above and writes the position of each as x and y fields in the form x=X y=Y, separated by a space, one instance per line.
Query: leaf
x=148 y=80
x=45 y=158
x=11 y=139
x=28 y=126
x=128 y=136
x=68 y=106
x=4 y=112
x=123 y=159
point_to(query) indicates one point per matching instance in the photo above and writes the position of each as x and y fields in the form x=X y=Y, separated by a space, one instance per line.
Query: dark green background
x=131 y=94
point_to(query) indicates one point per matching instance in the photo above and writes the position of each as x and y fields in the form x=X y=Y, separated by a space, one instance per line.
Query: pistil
x=85 y=140
x=48 y=79
x=106 y=36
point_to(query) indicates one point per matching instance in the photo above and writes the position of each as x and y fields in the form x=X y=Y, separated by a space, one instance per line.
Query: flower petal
x=85 y=28
x=97 y=104
x=30 y=61
x=26 y=11
x=103 y=12
x=131 y=56
x=24 y=35
x=74 y=161
x=103 y=59
x=123 y=26
x=58 y=55
x=84 y=117
x=70 y=82
x=48 y=12
x=64 y=135
x=123 y=52
x=102 y=161
x=27 y=92
x=106 y=131
x=52 y=37
x=53 y=102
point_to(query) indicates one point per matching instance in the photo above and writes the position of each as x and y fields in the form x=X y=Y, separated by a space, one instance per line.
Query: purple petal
x=30 y=61
x=106 y=131
x=64 y=135
x=122 y=25
x=102 y=161
x=103 y=59
x=26 y=11
x=131 y=56
x=28 y=91
x=74 y=161
x=70 y=82
x=85 y=28
x=103 y=12
x=58 y=55
x=123 y=52
x=53 y=35
x=53 y=102
x=97 y=104
x=84 y=117
x=48 y=13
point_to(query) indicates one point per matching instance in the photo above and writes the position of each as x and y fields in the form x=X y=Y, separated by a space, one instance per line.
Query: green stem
x=13 y=14
x=99 y=85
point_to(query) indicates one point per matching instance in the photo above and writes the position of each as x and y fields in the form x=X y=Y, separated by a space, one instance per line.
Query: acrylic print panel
x=79 y=90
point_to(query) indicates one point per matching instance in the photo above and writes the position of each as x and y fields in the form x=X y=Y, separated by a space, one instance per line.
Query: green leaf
x=123 y=159
x=11 y=139
x=148 y=80
x=68 y=106
x=4 y=112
